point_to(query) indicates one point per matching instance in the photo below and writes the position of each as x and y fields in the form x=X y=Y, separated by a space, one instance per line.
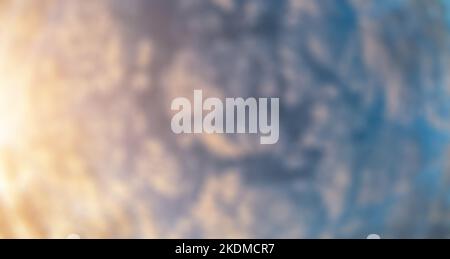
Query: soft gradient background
x=85 y=140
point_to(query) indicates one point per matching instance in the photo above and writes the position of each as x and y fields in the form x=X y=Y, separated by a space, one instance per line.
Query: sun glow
x=11 y=81
x=11 y=111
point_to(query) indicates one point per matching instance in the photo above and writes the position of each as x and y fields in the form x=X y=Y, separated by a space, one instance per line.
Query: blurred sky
x=85 y=140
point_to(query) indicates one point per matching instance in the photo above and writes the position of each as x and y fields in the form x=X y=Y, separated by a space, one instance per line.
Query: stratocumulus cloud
x=86 y=145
